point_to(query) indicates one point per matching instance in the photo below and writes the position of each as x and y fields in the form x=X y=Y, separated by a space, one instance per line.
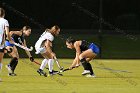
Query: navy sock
x=84 y=64
x=90 y=68
x=13 y=63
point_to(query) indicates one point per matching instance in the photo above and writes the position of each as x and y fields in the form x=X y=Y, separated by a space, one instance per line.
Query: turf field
x=113 y=76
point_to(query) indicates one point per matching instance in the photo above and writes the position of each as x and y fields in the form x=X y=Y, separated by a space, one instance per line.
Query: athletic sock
x=84 y=64
x=44 y=63
x=90 y=68
x=13 y=63
x=0 y=67
x=50 y=64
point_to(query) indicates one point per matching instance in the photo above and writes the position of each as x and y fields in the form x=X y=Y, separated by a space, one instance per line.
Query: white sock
x=0 y=66
x=50 y=65
x=44 y=63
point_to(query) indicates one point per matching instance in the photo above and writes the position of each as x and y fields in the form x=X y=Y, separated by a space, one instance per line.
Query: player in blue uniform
x=85 y=52
x=18 y=37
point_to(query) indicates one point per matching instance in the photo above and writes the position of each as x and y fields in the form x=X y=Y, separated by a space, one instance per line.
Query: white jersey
x=45 y=36
x=3 y=23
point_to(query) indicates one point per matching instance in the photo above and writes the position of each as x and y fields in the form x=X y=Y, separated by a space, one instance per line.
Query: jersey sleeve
x=6 y=23
x=49 y=37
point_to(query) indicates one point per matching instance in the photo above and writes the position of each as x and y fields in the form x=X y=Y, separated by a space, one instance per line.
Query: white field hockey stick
x=58 y=64
x=23 y=47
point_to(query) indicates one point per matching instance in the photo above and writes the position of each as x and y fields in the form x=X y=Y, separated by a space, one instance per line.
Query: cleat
x=41 y=72
x=12 y=74
x=9 y=68
x=91 y=76
x=0 y=80
x=53 y=73
x=57 y=72
x=86 y=72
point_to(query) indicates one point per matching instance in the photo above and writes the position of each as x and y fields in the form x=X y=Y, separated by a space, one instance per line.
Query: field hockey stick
x=23 y=47
x=69 y=69
x=47 y=68
x=58 y=64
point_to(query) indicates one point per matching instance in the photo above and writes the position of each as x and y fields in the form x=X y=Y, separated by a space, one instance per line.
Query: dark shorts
x=94 y=48
x=2 y=50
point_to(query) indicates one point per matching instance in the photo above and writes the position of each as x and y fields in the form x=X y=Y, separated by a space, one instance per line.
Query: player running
x=44 y=47
x=17 y=37
x=85 y=52
x=4 y=29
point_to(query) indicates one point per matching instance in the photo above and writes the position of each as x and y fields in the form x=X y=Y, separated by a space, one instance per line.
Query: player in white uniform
x=44 y=47
x=4 y=29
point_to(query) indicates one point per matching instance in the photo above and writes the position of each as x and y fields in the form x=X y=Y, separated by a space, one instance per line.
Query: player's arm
x=48 y=45
x=27 y=52
x=19 y=33
x=76 y=61
x=7 y=33
x=78 y=51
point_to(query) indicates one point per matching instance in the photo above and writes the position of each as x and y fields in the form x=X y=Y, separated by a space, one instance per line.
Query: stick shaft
x=57 y=62
x=23 y=47
x=69 y=69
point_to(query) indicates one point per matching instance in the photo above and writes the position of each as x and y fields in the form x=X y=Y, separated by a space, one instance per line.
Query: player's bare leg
x=14 y=61
x=1 y=57
x=87 y=66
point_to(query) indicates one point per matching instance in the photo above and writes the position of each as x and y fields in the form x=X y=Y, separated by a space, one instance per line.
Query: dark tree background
x=123 y=13
x=113 y=24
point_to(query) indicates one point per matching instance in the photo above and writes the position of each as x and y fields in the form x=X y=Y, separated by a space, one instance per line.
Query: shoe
x=57 y=72
x=9 y=68
x=12 y=74
x=41 y=72
x=91 y=76
x=53 y=72
x=86 y=72
x=0 y=80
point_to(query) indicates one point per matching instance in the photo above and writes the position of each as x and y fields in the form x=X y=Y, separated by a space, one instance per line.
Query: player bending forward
x=18 y=37
x=85 y=52
x=44 y=47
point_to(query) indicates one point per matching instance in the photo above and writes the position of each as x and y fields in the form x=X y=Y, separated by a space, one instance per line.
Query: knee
x=81 y=57
x=10 y=50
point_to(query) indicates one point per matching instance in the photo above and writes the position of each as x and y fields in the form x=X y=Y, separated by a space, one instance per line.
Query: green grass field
x=124 y=78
